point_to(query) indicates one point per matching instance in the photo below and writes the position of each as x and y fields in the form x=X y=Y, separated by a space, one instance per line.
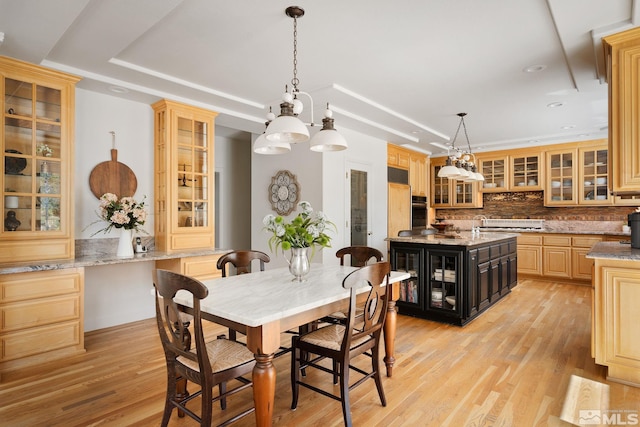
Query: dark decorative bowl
x=440 y=226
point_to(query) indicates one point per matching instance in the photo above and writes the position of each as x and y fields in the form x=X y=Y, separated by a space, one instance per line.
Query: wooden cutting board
x=113 y=177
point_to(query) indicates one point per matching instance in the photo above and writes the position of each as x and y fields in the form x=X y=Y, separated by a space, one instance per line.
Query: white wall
x=322 y=178
x=114 y=294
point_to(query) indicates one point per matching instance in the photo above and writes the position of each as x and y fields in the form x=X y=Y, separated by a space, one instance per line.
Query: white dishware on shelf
x=451 y=300
x=601 y=181
x=601 y=197
x=587 y=183
x=555 y=184
x=533 y=182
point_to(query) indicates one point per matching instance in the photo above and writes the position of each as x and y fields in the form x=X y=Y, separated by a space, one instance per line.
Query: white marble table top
x=262 y=297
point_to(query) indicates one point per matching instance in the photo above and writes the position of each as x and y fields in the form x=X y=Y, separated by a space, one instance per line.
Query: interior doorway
x=359 y=203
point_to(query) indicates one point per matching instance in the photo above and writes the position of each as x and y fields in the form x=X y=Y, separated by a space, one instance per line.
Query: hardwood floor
x=509 y=367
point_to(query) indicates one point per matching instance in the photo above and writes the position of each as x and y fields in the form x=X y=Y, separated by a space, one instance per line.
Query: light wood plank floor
x=509 y=367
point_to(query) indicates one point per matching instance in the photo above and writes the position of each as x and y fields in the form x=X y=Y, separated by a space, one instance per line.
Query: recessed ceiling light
x=555 y=104
x=118 y=89
x=568 y=127
x=534 y=68
x=533 y=141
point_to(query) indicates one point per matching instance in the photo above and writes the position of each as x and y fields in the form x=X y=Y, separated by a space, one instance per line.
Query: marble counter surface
x=614 y=250
x=100 y=258
x=464 y=238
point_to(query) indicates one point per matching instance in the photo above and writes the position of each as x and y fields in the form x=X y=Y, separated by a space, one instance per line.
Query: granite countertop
x=100 y=259
x=614 y=250
x=464 y=238
x=586 y=231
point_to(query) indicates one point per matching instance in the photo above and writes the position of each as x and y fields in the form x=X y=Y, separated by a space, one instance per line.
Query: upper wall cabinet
x=622 y=52
x=511 y=172
x=415 y=163
x=418 y=174
x=397 y=157
x=578 y=175
x=449 y=193
x=37 y=153
x=184 y=177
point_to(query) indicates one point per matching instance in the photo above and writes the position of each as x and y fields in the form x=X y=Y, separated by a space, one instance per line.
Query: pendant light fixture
x=287 y=128
x=460 y=165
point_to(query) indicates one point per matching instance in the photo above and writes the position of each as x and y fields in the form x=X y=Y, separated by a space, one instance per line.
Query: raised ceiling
x=399 y=71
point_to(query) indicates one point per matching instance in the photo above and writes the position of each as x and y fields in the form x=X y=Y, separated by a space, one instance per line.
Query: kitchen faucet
x=475 y=229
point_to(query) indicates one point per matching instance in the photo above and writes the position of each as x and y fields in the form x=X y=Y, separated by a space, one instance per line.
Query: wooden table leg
x=264 y=341
x=264 y=389
x=390 y=337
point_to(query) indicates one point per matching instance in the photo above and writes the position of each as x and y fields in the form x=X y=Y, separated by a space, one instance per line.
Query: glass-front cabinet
x=452 y=193
x=594 y=174
x=495 y=173
x=443 y=289
x=37 y=147
x=409 y=259
x=561 y=176
x=526 y=172
x=184 y=199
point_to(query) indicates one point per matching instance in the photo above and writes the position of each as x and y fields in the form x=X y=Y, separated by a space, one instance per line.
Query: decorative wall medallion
x=284 y=192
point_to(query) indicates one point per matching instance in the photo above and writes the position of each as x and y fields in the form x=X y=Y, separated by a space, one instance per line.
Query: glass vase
x=299 y=263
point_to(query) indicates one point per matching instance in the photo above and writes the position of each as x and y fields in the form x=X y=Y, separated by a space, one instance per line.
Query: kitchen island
x=456 y=277
x=615 y=336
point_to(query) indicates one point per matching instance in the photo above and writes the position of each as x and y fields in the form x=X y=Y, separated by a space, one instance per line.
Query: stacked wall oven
x=419 y=213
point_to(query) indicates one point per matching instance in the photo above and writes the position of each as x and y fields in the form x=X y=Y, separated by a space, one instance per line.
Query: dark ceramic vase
x=11 y=223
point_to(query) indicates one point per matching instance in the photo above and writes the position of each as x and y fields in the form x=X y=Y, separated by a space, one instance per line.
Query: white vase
x=125 y=247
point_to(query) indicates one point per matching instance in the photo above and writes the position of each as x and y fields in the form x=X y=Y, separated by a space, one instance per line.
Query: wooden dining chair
x=360 y=255
x=209 y=364
x=360 y=336
x=242 y=261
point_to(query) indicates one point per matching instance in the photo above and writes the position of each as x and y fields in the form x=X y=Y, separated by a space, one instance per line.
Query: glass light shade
x=448 y=171
x=328 y=140
x=479 y=177
x=263 y=146
x=287 y=129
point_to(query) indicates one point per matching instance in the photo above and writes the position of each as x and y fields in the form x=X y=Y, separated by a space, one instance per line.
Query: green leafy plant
x=123 y=213
x=307 y=229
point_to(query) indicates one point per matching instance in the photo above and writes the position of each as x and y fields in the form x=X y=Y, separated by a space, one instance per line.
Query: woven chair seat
x=223 y=354
x=331 y=337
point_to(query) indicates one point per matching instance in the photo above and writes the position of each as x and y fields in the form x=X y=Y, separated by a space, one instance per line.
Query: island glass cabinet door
x=409 y=259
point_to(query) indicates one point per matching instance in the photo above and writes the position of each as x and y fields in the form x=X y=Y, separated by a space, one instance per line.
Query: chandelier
x=287 y=128
x=460 y=166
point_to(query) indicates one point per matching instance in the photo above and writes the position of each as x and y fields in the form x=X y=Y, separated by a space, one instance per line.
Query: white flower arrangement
x=124 y=213
x=44 y=150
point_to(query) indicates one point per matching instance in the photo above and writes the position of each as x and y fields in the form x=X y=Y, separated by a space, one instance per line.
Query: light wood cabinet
x=622 y=52
x=37 y=110
x=511 y=170
x=397 y=157
x=557 y=255
x=530 y=254
x=449 y=193
x=398 y=208
x=41 y=315
x=199 y=267
x=184 y=177
x=615 y=335
x=418 y=175
x=495 y=172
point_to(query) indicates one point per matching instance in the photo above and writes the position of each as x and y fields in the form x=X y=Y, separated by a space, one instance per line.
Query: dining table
x=264 y=304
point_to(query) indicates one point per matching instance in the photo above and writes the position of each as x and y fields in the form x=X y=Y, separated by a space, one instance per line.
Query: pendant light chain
x=294 y=80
